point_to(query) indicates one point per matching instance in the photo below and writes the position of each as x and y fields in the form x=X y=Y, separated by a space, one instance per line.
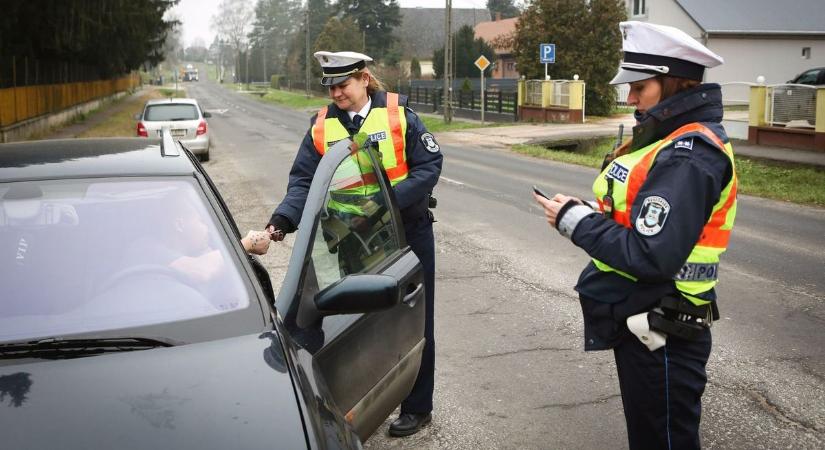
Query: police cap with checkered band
x=651 y=50
x=339 y=66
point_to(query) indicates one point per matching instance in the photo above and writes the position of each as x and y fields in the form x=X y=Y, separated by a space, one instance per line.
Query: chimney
x=498 y=16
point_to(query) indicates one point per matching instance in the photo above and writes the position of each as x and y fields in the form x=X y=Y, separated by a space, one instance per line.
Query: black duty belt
x=681 y=318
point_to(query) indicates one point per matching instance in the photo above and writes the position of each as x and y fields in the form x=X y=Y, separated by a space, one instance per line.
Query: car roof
x=88 y=158
x=187 y=101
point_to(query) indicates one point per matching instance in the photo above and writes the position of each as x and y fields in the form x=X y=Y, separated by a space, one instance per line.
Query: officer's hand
x=274 y=233
x=552 y=207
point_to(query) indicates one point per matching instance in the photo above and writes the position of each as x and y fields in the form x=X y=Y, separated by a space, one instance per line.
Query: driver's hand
x=256 y=242
x=199 y=269
x=359 y=223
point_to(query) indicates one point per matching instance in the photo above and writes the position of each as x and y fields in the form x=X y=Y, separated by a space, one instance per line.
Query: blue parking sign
x=547 y=53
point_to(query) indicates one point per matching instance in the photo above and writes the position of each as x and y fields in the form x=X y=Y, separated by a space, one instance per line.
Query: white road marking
x=451 y=181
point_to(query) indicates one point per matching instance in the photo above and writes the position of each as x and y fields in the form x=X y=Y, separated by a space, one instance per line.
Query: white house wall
x=667 y=12
x=778 y=60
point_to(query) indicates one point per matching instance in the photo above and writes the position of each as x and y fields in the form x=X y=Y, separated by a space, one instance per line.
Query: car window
x=80 y=256
x=808 y=77
x=171 y=112
x=357 y=230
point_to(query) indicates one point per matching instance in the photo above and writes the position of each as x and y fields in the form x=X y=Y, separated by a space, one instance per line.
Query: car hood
x=233 y=393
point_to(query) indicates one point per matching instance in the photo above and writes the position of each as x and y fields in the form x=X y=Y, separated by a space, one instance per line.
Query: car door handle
x=409 y=299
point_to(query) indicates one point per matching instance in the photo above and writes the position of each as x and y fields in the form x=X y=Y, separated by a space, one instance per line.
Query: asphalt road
x=511 y=372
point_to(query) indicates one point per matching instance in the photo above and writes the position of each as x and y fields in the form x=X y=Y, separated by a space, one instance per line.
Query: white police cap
x=338 y=66
x=651 y=50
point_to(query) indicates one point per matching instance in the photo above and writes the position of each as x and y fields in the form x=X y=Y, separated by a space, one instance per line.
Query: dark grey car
x=131 y=317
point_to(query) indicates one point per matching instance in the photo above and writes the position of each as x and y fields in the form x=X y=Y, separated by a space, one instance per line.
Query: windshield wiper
x=55 y=348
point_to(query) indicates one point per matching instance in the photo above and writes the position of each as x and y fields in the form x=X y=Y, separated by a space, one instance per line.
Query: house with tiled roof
x=774 y=39
x=493 y=33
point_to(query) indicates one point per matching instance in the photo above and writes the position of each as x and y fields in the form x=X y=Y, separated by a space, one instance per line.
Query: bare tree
x=233 y=22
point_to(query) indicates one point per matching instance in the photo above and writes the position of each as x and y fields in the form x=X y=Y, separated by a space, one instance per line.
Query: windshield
x=171 y=112
x=80 y=256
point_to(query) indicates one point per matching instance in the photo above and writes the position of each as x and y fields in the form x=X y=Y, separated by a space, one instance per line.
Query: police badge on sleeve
x=653 y=215
x=429 y=143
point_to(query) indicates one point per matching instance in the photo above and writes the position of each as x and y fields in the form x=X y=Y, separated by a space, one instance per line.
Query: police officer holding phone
x=412 y=159
x=664 y=210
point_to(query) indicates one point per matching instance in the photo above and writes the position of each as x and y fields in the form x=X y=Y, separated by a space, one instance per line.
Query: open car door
x=353 y=298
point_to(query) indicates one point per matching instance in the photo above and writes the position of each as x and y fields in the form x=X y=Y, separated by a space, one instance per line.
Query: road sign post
x=482 y=63
x=547 y=55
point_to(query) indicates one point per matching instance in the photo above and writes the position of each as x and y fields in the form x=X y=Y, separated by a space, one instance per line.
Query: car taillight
x=141 y=130
x=201 y=128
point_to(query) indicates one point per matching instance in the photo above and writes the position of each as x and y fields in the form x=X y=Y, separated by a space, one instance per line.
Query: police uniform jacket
x=423 y=161
x=691 y=176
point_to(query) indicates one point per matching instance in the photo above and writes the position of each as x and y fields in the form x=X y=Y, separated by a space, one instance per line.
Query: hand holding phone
x=540 y=192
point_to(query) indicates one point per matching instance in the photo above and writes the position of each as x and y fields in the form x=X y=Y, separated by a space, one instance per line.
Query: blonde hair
x=374 y=84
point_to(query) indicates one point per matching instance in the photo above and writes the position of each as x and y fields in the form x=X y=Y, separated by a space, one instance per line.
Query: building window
x=806 y=52
x=638 y=7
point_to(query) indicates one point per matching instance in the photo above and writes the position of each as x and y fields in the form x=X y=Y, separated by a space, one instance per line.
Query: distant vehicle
x=795 y=104
x=185 y=119
x=108 y=341
x=813 y=77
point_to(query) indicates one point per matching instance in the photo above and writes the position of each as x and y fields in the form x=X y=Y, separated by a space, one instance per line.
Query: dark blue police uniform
x=424 y=160
x=661 y=390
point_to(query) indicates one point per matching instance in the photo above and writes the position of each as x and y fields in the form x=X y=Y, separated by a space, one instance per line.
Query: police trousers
x=662 y=391
x=420 y=238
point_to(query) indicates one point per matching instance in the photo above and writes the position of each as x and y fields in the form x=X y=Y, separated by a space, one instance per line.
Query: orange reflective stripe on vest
x=318 y=133
x=395 y=130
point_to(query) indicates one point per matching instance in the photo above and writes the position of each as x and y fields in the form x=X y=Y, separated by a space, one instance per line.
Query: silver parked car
x=184 y=118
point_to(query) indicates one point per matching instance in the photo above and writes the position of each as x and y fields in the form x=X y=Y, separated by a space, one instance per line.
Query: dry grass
x=121 y=123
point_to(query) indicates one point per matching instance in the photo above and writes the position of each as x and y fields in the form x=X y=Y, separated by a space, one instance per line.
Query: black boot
x=409 y=423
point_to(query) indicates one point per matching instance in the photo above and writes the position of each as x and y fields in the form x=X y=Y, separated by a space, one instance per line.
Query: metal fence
x=621 y=94
x=495 y=101
x=561 y=94
x=532 y=96
x=736 y=93
x=791 y=105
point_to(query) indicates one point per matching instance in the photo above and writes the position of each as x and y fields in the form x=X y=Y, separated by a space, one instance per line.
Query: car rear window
x=97 y=255
x=171 y=112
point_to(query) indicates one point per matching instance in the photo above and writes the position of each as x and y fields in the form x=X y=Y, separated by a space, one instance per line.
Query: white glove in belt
x=639 y=326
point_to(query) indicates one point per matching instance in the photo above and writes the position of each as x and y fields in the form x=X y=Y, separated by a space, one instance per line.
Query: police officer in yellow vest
x=412 y=159
x=664 y=210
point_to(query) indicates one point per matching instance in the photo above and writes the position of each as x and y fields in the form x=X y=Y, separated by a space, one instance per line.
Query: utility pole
x=448 y=110
x=264 y=59
x=306 y=62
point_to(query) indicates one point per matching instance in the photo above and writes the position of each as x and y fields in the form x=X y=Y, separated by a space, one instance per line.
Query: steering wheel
x=140 y=270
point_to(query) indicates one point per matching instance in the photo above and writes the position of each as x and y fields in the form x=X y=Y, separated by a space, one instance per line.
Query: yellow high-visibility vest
x=699 y=273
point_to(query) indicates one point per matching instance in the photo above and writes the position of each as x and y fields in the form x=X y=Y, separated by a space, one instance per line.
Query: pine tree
x=507 y=8
x=376 y=20
x=467 y=50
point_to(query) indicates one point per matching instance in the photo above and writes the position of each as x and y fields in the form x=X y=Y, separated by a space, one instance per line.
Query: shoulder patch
x=429 y=143
x=652 y=216
x=686 y=143
x=618 y=172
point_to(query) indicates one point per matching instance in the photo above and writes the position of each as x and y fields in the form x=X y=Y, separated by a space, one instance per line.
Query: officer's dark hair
x=670 y=86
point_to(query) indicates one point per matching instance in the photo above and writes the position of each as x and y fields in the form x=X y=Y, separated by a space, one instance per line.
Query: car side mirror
x=136 y=116
x=206 y=115
x=358 y=294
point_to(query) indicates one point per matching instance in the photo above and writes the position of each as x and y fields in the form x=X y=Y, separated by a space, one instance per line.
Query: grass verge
x=122 y=122
x=779 y=181
x=435 y=124
x=294 y=100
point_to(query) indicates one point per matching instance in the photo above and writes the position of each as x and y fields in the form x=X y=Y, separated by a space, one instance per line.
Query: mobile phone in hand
x=540 y=192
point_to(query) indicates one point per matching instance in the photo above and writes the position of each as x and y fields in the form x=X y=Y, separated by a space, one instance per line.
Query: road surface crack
x=577 y=404
x=524 y=350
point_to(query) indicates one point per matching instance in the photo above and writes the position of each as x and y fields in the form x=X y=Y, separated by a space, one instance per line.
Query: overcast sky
x=197 y=14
